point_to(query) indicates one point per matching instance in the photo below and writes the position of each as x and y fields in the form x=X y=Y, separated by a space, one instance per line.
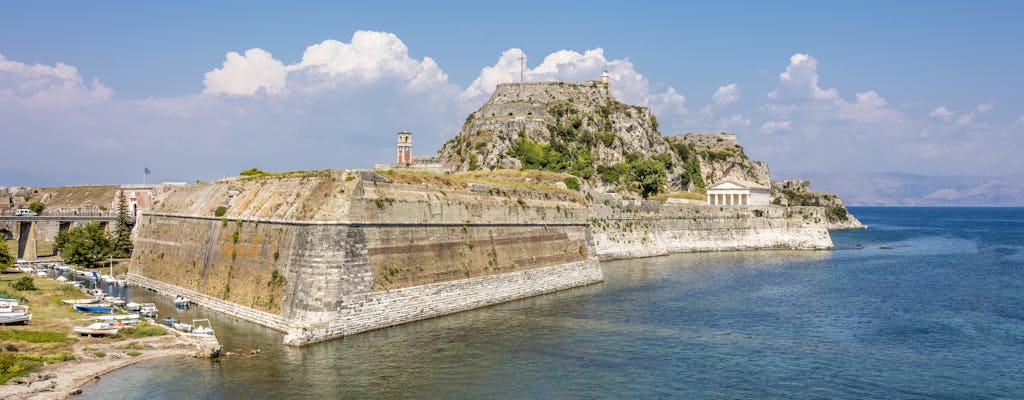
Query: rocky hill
x=581 y=129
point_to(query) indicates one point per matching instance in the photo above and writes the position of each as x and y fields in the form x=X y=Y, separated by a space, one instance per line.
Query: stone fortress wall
x=371 y=254
x=636 y=228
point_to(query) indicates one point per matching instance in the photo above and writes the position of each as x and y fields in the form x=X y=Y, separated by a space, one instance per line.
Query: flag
x=146 y=170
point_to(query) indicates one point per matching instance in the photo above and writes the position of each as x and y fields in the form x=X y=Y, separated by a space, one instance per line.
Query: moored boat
x=96 y=329
x=15 y=319
x=169 y=321
x=202 y=327
x=80 y=301
x=94 y=308
x=182 y=327
x=148 y=309
x=132 y=306
x=182 y=302
x=8 y=308
x=121 y=317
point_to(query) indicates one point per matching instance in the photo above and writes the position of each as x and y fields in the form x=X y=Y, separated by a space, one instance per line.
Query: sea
x=940 y=315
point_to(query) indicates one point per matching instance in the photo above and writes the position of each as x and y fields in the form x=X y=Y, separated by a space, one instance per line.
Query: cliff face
x=719 y=156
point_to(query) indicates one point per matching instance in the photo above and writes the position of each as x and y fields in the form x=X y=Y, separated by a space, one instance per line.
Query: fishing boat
x=148 y=309
x=182 y=302
x=96 y=329
x=132 y=306
x=80 y=301
x=15 y=319
x=202 y=327
x=11 y=309
x=169 y=321
x=94 y=308
x=121 y=317
x=114 y=301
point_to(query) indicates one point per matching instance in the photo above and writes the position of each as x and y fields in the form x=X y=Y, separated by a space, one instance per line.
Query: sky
x=94 y=92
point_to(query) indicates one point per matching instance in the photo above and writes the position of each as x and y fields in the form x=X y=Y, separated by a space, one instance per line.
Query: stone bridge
x=29 y=230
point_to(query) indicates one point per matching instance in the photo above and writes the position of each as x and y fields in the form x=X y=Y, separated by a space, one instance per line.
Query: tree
x=84 y=245
x=650 y=176
x=37 y=207
x=122 y=244
x=6 y=259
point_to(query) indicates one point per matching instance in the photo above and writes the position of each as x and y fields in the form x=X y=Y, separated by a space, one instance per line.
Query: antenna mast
x=522 y=65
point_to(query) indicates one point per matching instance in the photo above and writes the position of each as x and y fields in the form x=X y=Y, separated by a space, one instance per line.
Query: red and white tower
x=404 y=147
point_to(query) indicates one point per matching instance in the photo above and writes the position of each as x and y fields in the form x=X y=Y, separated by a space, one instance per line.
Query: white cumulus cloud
x=369 y=58
x=800 y=81
x=48 y=86
x=246 y=74
x=726 y=94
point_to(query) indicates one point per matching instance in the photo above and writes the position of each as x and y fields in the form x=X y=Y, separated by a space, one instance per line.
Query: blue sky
x=96 y=91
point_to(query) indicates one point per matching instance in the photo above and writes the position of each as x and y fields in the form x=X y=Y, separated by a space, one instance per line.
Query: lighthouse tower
x=404 y=147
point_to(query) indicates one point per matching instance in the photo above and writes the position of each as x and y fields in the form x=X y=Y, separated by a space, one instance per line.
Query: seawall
x=633 y=228
x=329 y=254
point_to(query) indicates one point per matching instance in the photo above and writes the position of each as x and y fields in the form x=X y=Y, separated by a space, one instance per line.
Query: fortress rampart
x=391 y=252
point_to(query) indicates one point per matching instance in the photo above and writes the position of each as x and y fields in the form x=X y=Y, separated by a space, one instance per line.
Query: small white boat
x=41 y=273
x=202 y=327
x=62 y=279
x=76 y=284
x=122 y=317
x=96 y=329
x=15 y=319
x=182 y=326
x=148 y=309
x=80 y=301
x=182 y=302
x=63 y=268
x=132 y=306
x=98 y=293
x=8 y=309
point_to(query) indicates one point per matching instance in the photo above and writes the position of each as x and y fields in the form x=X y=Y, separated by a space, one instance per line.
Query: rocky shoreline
x=65 y=379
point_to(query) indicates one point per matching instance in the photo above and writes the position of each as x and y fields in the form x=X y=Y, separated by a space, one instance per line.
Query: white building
x=738 y=192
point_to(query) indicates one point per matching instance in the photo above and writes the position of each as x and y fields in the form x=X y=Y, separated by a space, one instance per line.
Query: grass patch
x=133 y=353
x=35 y=336
x=143 y=331
x=15 y=365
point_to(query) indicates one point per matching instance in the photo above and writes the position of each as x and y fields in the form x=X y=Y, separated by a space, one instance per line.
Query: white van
x=24 y=212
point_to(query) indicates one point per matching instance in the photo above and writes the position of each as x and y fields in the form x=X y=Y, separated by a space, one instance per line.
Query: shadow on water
x=936 y=316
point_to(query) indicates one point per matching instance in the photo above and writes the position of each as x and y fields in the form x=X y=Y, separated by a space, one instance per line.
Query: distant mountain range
x=900 y=189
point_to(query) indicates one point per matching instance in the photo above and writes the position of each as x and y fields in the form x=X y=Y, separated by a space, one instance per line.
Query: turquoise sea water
x=941 y=315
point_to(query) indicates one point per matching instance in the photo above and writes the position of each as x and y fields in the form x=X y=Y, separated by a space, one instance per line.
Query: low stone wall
x=369 y=311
